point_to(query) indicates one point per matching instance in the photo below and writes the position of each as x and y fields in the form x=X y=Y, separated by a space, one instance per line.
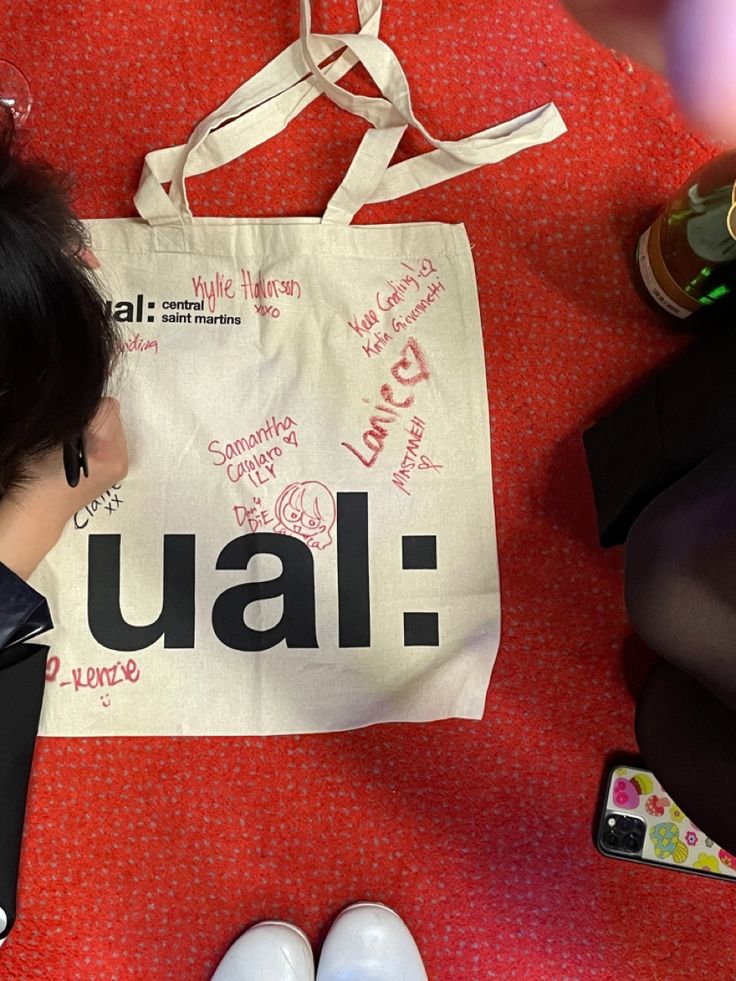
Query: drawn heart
x=406 y=364
x=291 y=438
x=52 y=668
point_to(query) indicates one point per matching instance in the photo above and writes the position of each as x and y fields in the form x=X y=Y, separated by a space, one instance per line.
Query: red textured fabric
x=145 y=858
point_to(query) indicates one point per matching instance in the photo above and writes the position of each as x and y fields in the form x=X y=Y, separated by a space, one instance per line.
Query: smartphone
x=639 y=822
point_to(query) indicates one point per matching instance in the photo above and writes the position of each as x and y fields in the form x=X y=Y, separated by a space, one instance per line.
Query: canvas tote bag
x=305 y=541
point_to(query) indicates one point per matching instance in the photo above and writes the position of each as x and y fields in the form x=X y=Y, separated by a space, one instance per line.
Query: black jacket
x=24 y=615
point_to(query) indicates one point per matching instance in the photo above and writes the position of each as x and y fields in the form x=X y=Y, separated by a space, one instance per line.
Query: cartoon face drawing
x=306 y=509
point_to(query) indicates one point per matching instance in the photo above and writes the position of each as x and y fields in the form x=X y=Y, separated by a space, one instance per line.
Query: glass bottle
x=687 y=258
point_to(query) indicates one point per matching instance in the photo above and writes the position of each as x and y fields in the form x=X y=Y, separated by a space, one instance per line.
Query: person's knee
x=663 y=588
x=680 y=591
x=680 y=574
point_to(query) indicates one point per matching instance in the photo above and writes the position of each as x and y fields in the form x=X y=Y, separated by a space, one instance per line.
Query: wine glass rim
x=19 y=114
x=6 y=61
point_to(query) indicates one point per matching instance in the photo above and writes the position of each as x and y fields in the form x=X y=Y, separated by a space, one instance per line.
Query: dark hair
x=58 y=341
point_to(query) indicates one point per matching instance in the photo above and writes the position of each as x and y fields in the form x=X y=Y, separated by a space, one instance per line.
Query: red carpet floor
x=144 y=858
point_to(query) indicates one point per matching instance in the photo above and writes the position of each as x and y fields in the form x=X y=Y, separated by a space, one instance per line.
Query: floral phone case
x=641 y=823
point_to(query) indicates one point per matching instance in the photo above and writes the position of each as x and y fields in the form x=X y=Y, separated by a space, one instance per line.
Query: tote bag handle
x=266 y=104
x=370 y=178
x=260 y=108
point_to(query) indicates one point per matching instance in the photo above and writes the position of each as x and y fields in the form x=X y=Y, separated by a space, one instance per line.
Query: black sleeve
x=23 y=614
x=673 y=422
x=22 y=679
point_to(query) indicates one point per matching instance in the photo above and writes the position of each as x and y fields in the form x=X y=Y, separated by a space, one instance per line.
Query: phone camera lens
x=622 y=834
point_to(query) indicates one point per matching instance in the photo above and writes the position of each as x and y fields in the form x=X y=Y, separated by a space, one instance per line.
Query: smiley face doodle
x=306 y=509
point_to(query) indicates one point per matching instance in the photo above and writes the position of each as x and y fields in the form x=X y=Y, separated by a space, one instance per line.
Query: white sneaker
x=269 y=951
x=369 y=942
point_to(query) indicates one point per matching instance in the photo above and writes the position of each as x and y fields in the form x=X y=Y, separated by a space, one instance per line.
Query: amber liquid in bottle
x=687 y=258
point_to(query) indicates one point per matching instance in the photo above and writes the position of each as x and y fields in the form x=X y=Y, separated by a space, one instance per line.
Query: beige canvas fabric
x=306 y=540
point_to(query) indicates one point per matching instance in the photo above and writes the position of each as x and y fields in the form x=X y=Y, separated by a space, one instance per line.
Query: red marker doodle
x=406 y=320
x=262 y=287
x=388 y=300
x=95 y=677
x=401 y=476
x=366 y=323
x=107 y=677
x=377 y=344
x=213 y=290
x=264 y=310
x=306 y=509
x=258 y=466
x=396 y=292
x=409 y=370
x=426 y=268
x=255 y=517
x=138 y=343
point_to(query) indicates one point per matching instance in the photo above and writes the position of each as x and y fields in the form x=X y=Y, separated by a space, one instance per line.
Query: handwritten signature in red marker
x=411 y=369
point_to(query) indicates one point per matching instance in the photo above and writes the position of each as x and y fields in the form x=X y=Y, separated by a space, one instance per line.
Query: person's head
x=58 y=342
